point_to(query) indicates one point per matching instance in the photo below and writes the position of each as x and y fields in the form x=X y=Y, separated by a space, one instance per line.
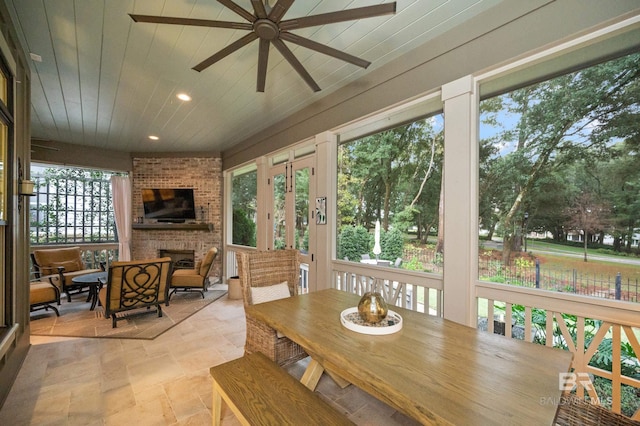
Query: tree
x=392 y=176
x=588 y=216
x=559 y=121
x=244 y=204
x=622 y=180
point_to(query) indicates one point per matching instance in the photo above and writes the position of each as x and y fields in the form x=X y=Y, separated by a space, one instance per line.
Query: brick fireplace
x=204 y=175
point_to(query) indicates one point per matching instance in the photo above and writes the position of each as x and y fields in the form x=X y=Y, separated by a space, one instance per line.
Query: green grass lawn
x=533 y=245
x=552 y=256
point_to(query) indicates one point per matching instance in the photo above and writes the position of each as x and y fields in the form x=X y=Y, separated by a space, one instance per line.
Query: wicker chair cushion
x=269 y=293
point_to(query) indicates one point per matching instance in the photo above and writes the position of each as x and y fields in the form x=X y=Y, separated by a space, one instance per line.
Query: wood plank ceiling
x=105 y=81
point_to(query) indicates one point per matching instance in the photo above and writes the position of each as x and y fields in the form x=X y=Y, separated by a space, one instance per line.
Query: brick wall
x=204 y=175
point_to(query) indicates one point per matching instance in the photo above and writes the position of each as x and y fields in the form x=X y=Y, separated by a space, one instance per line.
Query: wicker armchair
x=574 y=411
x=263 y=269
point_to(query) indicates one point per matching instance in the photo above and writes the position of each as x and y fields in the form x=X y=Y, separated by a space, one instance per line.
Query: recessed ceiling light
x=154 y=137
x=183 y=97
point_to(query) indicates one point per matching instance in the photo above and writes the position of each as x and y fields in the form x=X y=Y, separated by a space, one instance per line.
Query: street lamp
x=526 y=221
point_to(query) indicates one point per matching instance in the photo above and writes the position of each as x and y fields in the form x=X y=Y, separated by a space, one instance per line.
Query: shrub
x=413 y=265
x=630 y=396
x=392 y=244
x=244 y=230
x=353 y=241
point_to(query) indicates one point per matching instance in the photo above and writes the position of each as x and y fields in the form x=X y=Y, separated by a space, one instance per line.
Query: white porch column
x=326 y=171
x=460 y=199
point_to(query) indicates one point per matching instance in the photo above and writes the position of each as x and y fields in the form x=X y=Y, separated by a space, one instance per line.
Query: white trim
x=560 y=49
x=410 y=110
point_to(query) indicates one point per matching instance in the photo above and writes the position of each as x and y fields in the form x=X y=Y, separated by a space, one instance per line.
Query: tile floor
x=77 y=381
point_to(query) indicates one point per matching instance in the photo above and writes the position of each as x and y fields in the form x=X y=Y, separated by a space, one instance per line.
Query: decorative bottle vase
x=372 y=307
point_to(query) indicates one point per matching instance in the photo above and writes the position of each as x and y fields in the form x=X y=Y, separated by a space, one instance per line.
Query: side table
x=94 y=281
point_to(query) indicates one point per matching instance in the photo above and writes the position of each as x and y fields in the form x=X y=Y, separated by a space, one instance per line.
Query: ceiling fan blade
x=340 y=16
x=237 y=9
x=226 y=51
x=190 y=21
x=258 y=9
x=323 y=48
x=290 y=57
x=279 y=9
x=263 y=59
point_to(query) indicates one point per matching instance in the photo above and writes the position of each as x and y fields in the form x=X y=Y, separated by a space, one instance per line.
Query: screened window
x=71 y=206
x=392 y=177
x=559 y=182
x=244 y=195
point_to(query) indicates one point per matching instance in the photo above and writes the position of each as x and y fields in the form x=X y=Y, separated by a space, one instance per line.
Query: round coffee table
x=94 y=281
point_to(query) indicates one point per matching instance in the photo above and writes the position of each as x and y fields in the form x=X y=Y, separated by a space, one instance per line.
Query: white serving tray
x=375 y=329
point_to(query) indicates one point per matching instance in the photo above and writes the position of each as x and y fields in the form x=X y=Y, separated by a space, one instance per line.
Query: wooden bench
x=259 y=392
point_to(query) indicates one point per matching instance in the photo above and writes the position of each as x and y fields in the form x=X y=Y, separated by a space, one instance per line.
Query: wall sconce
x=26 y=188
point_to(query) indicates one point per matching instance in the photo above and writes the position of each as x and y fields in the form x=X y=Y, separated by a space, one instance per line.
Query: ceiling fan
x=266 y=24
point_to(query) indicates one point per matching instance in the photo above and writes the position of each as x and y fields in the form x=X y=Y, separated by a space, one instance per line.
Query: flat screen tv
x=169 y=205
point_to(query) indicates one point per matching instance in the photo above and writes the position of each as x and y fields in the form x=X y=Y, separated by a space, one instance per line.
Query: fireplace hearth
x=180 y=259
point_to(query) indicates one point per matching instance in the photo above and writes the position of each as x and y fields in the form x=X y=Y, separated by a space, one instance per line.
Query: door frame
x=288 y=169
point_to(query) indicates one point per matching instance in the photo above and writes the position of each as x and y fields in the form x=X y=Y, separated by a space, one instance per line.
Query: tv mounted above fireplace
x=169 y=204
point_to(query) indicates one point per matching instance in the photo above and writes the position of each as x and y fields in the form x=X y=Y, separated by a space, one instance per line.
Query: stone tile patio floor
x=94 y=381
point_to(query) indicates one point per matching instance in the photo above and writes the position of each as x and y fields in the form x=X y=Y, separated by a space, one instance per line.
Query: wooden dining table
x=433 y=370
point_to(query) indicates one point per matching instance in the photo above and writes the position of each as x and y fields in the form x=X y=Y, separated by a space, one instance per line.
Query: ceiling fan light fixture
x=183 y=97
x=266 y=25
x=266 y=29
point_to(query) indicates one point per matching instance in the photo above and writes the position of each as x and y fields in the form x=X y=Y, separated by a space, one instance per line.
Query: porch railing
x=576 y=323
x=400 y=287
x=569 y=320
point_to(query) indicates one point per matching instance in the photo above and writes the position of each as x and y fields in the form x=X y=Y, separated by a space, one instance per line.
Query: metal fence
x=530 y=274
x=570 y=281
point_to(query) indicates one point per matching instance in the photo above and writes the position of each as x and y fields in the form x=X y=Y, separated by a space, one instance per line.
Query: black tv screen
x=168 y=204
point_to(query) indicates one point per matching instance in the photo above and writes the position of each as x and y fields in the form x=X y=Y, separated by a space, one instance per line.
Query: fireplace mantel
x=174 y=226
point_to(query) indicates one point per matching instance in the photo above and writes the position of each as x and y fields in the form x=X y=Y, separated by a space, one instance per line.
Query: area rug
x=76 y=320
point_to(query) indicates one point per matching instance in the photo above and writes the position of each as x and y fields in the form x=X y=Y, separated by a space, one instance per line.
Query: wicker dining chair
x=266 y=269
x=574 y=411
